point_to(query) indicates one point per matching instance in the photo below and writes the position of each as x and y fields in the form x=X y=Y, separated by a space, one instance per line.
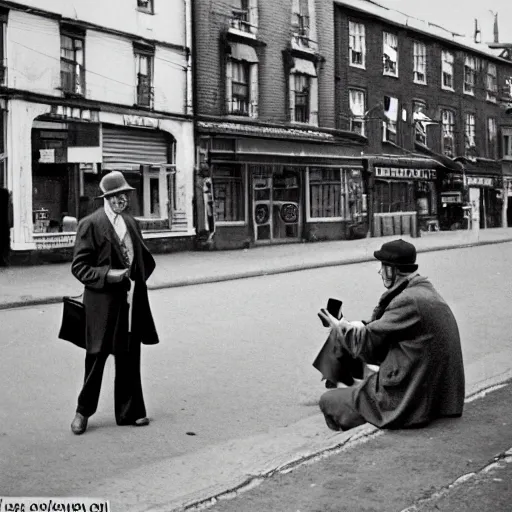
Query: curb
x=254 y=273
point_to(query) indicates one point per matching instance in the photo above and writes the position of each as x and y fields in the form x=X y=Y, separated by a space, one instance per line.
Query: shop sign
x=146 y=122
x=54 y=241
x=397 y=172
x=479 y=181
x=47 y=156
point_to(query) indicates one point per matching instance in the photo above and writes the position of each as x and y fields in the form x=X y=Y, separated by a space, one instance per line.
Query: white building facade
x=91 y=86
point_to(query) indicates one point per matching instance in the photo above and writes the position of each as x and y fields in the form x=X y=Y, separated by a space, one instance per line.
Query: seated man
x=414 y=338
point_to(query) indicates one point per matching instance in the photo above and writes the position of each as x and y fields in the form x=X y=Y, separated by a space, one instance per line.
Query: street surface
x=234 y=361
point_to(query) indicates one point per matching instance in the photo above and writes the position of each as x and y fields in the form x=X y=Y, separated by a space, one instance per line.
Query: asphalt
x=47 y=284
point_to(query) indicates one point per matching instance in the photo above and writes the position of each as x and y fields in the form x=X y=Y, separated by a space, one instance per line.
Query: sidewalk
x=46 y=284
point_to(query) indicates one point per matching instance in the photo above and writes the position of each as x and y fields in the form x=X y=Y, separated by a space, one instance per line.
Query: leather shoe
x=79 y=424
x=141 y=422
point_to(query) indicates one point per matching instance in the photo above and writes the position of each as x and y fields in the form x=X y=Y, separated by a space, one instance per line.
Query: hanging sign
x=397 y=172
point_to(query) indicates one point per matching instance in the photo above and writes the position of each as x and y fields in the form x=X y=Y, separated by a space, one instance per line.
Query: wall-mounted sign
x=47 y=156
x=54 y=241
x=146 y=122
x=480 y=181
x=411 y=174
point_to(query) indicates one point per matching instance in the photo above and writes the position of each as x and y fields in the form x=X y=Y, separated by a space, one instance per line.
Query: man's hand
x=329 y=319
x=116 y=275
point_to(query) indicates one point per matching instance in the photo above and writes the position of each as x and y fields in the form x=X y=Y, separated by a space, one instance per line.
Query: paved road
x=235 y=361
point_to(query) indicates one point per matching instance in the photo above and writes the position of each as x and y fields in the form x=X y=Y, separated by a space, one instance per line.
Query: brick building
x=415 y=89
x=272 y=165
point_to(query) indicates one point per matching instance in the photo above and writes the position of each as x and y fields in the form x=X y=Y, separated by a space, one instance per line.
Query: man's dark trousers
x=128 y=398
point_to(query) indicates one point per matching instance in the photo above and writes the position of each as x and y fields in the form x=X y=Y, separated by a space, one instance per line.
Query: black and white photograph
x=255 y=255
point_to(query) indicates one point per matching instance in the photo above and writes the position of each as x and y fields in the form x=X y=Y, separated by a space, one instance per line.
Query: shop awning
x=398 y=161
x=442 y=159
x=243 y=52
x=303 y=66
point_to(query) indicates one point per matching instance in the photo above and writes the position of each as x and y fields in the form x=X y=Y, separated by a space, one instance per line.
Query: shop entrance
x=276 y=203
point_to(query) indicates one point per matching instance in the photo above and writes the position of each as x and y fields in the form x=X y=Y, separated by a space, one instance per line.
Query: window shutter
x=254 y=92
x=253 y=13
x=229 y=86
x=291 y=95
x=313 y=100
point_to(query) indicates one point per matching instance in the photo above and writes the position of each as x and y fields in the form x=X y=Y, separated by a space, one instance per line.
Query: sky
x=459 y=15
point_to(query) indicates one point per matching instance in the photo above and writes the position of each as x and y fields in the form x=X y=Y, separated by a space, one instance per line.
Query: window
x=447 y=71
x=393 y=196
x=228 y=193
x=301 y=93
x=420 y=63
x=240 y=95
x=357 y=44
x=469 y=133
x=492 y=138
x=357 y=109
x=491 y=83
x=300 y=19
x=146 y=6
x=390 y=54
x=420 y=120
x=144 y=68
x=240 y=19
x=325 y=193
x=72 y=70
x=507 y=143
x=389 y=126
x=3 y=31
x=448 y=129
x=469 y=75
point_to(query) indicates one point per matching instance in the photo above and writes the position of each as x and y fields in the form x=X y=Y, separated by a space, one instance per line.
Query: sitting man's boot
x=79 y=424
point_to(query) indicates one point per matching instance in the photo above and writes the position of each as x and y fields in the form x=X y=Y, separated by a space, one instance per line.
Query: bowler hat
x=114 y=183
x=399 y=254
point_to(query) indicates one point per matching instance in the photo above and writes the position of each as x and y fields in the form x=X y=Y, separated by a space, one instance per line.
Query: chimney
x=478 y=34
x=496 y=32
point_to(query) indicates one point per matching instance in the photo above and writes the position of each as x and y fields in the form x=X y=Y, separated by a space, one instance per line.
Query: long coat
x=97 y=250
x=416 y=342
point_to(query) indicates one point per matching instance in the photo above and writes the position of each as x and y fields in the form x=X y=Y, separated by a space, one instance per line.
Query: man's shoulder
x=92 y=219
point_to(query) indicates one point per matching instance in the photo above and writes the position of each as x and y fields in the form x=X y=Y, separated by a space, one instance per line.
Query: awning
x=243 y=52
x=304 y=67
x=443 y=159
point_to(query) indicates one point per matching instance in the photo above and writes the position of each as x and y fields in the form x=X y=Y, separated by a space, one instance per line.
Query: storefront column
x=20 y=118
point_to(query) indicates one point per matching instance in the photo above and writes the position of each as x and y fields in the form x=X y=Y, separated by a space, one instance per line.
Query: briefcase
x=72 y=328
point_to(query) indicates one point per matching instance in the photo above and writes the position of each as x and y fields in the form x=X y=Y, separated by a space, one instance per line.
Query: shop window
x=426 y=198
x=492 y=138
x=389 y=126
x=491 y=83
x=420 y=63
x=357 y=44
x=72 y=63
x=448 y=129
x=447 y=61
x=394 y=196
x=325 y=193
x=469 y=75
x=229 y=193
x=146 y=6
x=144 y=68
x=357 y=100
x=469 y=134
x=301 y=20
x=390 y=54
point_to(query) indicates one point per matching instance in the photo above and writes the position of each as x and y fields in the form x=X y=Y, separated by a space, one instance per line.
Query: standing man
x=414 y=338
x=111 y=260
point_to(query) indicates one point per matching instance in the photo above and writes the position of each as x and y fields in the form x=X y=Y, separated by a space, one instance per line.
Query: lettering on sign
x=47 y=156
x=54 y=241
x=397 y=172
x=53 y=505
x=479 y=181
x=146 y=122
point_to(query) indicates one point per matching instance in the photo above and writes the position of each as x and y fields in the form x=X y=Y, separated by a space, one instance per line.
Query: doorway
x=276 y=203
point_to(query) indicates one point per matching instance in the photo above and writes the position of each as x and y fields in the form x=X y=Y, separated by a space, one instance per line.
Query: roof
x=418 y=25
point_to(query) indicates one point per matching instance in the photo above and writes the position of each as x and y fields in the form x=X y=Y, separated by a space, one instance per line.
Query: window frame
x=506 y=143
x=244 y=189
x=301 y=19
x=388 y=124
x=492 y=145
x=451 y=131
x=74 y=37
x=451 y=63
x=149 y=9
x=148 y=54
x=469 y=131
x=470 y=75
x=423 y=104
x=491 y=83
x=246 y=67
x=354 y=117
x=353 y=35
x=419 y=58
x=387 y=39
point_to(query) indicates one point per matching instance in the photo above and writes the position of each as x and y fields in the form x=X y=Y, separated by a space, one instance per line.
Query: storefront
x=404 y=195
x=60 y=154
x=277 y=191
x=486 y=199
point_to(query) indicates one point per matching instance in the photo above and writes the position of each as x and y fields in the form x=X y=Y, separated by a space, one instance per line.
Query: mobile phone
x=334 y=308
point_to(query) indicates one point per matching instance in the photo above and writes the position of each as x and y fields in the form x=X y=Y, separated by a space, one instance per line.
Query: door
x=276 y=203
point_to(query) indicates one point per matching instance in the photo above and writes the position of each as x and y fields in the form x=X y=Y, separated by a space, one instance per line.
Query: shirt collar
x=108 y=210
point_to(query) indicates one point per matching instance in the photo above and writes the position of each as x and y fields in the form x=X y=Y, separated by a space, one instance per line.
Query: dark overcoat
x=97 y=250
x=416 y=342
